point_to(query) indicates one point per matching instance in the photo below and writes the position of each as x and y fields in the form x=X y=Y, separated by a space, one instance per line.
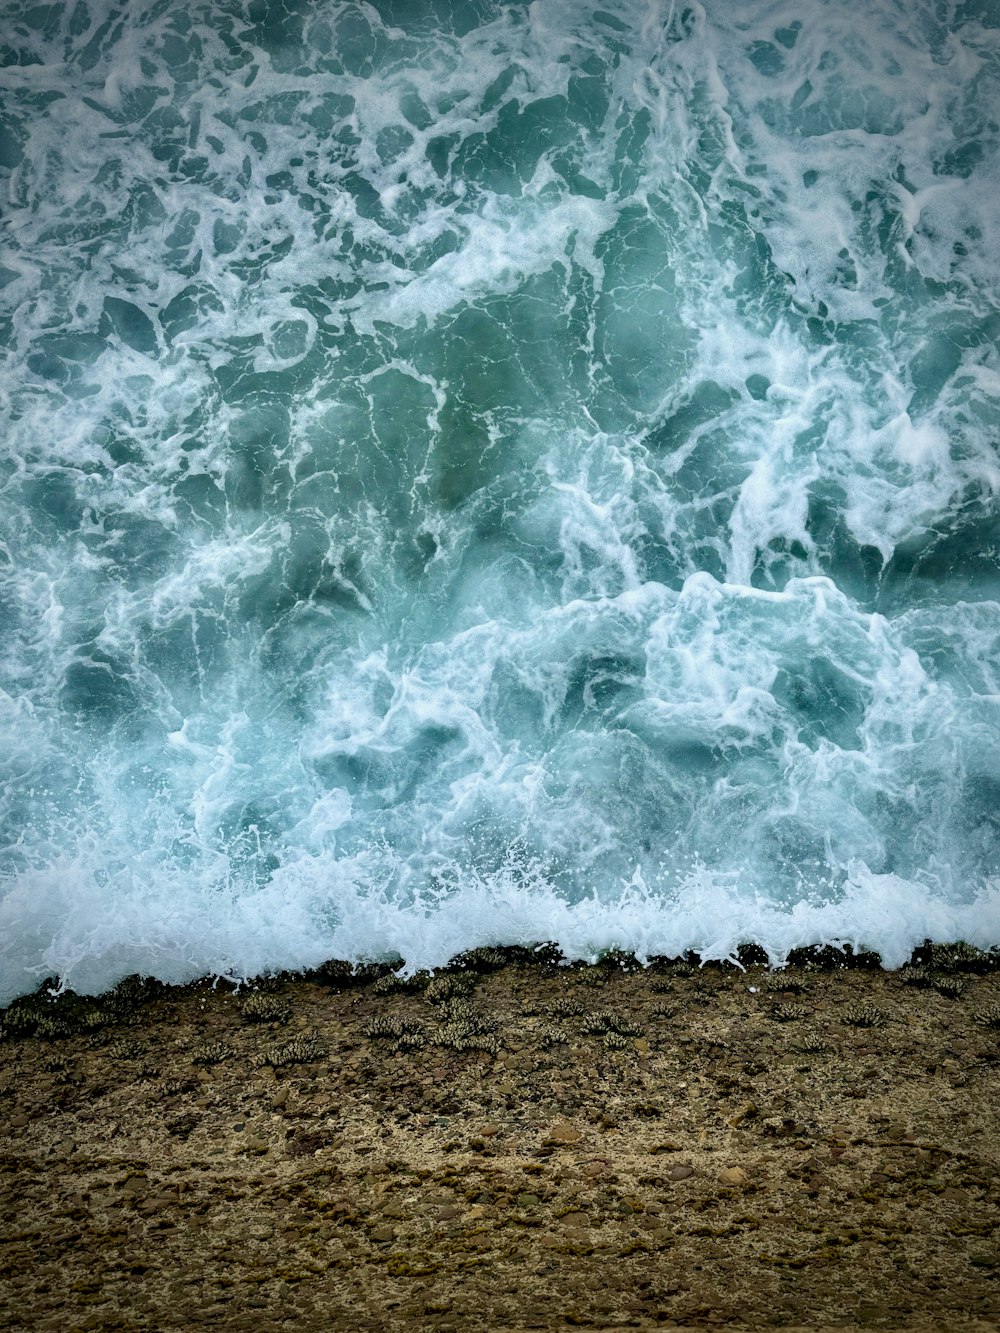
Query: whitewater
x=491 y=473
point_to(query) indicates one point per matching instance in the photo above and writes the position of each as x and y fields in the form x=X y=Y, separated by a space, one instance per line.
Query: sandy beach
x=510 y=1144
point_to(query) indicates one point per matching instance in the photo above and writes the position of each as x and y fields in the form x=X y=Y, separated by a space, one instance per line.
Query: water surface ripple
x=494 y=472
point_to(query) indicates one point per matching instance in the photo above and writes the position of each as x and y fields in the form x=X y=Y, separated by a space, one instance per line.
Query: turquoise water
x=488 y=472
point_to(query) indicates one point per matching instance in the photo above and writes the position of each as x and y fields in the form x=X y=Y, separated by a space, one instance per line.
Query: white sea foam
x=90 y=932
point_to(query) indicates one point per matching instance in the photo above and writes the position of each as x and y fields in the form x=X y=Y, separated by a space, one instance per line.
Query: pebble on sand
x=564 y=1133
x=733 y=1175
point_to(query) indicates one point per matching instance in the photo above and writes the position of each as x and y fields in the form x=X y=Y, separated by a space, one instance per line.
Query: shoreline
x=511 y=1143
x=942 y=956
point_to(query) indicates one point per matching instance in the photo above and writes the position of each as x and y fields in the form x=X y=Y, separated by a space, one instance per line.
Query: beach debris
x=604 y=1021
x=782 y=982
x=447 y=987
x=461 y=1027
x=53 y=1017
x=300 y=1050
x=174 y=1087
x=916 y=976
x=680 y=967
x=621 y=960
x=411 y=1041
x=383 y=1028
x=812 y=1044
x=61 y=1066
x=263 y=1008
x=387 y=1027
x=126 y=1048
x=212 y=1054
x=864 y=1015
x=484 y=960
x=466 y=1037
x=961 y=957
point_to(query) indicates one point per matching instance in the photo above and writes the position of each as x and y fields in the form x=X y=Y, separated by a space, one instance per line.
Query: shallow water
x=482 y=472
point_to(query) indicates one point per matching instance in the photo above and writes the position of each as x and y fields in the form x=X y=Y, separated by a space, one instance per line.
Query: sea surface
x=478 y=472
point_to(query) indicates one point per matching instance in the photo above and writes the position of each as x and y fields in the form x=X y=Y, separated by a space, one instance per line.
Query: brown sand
x=624 y=1149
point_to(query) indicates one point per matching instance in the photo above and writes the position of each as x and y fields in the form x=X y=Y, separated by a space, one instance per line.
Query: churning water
x=477 y=471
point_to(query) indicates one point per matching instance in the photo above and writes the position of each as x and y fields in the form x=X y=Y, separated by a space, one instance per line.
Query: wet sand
x=513 y=1144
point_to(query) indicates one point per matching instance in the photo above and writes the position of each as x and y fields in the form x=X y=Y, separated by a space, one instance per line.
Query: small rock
x=449 y=1212
x=489 y=1131
x=383 y=1235
x=733 y=1175
x=527 y=1201
x=19 y=1121
x=156 y=1204
x=679 y=1172
x=564 y=1133
x=575 y=1219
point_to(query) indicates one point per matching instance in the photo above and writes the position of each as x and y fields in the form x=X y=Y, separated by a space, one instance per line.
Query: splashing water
x=496 y=472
